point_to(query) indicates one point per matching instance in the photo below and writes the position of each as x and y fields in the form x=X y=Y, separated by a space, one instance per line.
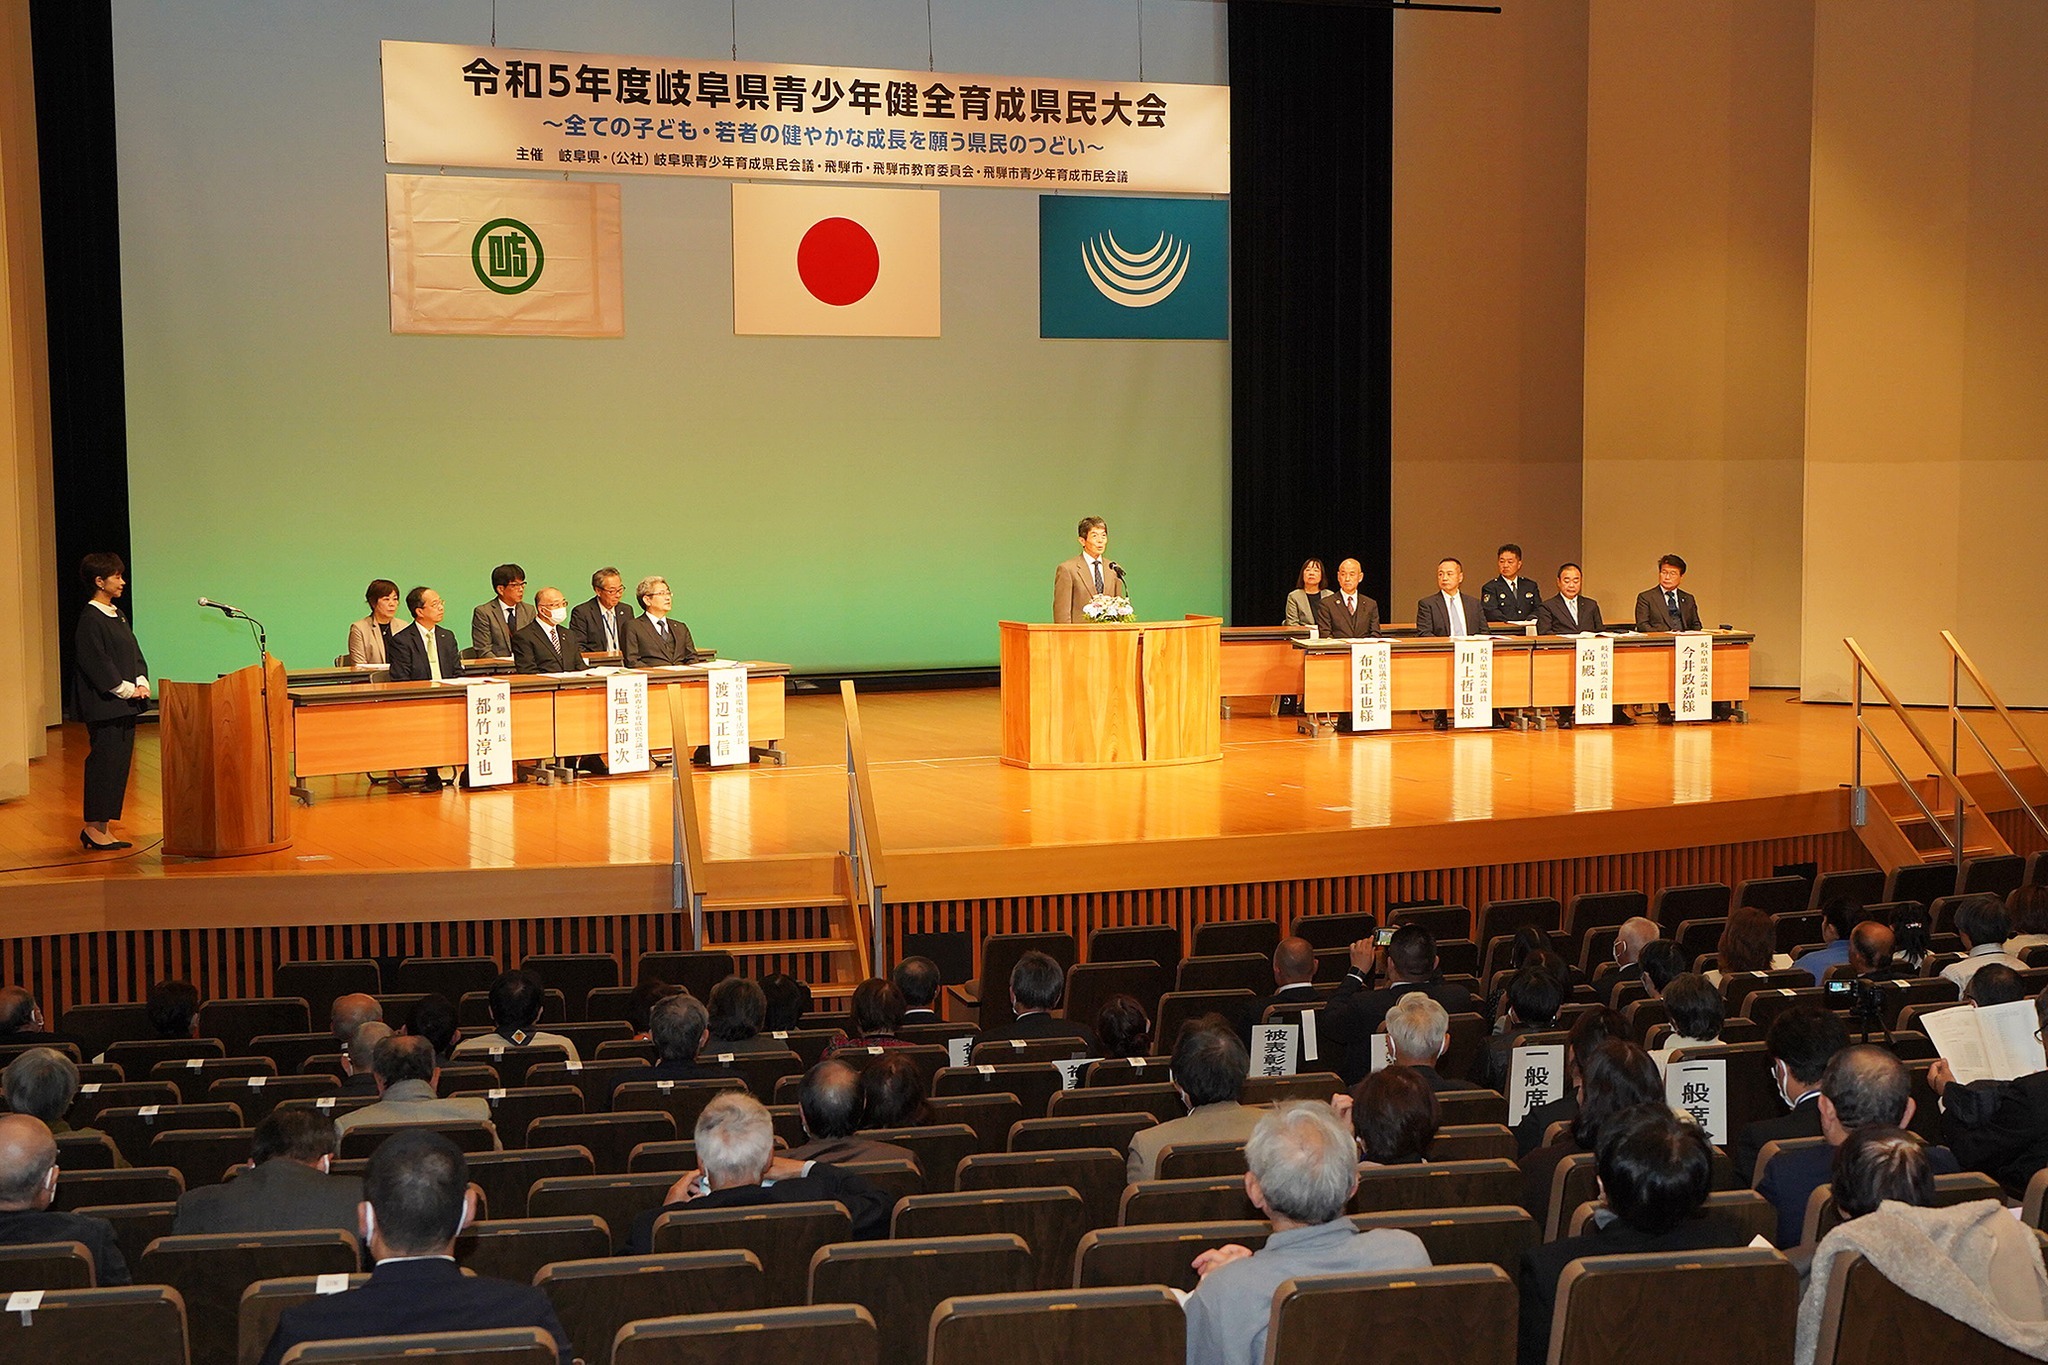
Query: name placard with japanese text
x=1472 y=683
x=448 y=104
x=1692 y=682
x=1595 y=687
x=728 y=699
x=625 y=723
x=490 y=732
x=1372 y=685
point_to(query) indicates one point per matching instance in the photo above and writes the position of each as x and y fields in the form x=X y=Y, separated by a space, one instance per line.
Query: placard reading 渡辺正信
x=728 y=704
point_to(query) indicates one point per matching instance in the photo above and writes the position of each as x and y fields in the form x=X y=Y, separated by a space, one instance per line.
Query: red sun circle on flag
x=838 y=261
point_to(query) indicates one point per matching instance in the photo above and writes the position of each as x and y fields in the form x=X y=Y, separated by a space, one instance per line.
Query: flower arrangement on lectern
x=1109 y=611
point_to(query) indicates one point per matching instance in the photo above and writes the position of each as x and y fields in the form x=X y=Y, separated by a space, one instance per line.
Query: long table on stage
x=1529 y=672
x=379 y=726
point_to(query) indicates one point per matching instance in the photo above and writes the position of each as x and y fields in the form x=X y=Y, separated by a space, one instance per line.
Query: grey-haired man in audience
x=28 y=1182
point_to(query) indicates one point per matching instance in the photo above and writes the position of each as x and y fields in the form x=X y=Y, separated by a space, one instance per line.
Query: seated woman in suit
x=367 y=637
x=1308 y=590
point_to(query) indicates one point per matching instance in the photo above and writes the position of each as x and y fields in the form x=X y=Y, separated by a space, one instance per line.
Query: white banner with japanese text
x=490 y=732
x=452 y=104
x=1692 y=681
x=1596 y=680
x=728 y=697
x=476 y=257
x=1472 y=683
x=1372 y=686
x=1701 y=1090
x=625 y=723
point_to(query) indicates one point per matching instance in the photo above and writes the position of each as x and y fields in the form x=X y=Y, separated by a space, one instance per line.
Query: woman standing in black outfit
x=111 y=689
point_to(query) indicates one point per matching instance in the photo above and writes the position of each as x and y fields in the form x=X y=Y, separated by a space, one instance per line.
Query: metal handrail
x=1958 y=722
x=863 y=832
x=685 y=834
x=1960 y=795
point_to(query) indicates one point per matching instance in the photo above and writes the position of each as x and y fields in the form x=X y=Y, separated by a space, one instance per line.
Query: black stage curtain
x=1311 y=127
x=73 y=53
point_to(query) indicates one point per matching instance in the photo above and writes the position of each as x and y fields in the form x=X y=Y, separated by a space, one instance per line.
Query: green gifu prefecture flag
x=1110 y=266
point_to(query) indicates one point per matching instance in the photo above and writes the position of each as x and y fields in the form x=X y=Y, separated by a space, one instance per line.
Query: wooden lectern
x=225 y=763
x=1092 y=696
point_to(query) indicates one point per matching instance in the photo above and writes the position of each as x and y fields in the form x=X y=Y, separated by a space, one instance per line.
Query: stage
x=1283 y=824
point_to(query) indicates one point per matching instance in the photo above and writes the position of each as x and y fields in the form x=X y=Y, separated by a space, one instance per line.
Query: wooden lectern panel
x=225 y=764
x=1070 y=696
x=1182 y=678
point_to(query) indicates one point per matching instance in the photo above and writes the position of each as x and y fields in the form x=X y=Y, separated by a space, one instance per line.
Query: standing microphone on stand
x=1115 y=567
x=223 y=608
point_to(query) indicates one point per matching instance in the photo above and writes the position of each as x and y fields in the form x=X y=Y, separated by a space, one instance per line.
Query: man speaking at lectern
x=1088 y=575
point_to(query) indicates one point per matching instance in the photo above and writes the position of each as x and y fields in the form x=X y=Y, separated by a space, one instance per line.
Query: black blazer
x=278 y=1196
x=1523 y=604
x=1653 y=614
x=868 y=1204
x=1999 y=1127
x=587 y=620
x=1354 y=1014
x=107 y=657
x=646 y=648
x=1335 y=623
x=1432 y=619
x=531 y=652
x=407 y=654
x=1556 y=620
x=1042 y=1024
x=1803 y=1121
x=23 y=1226
x=404 y=1298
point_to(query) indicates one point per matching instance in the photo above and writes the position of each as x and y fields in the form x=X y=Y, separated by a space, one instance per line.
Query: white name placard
x=1701 y=1090
x=728 y=738
x=1372 y=686
x=1535 y=1077
x=625 y=722
x=490 y=732
x=1472 y=683
x=1596 y=681
x=1273 y=1049
x=1692 y=682
x=1382 y=1051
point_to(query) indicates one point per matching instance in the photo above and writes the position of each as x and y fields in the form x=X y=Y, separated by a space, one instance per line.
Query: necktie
x=661 y=627
x=553 y=643
x=611 y=632
x=1671 y=604
x=433 y=655
x=511 y=615
x=1096 y=564
x=1350 y=603
x=1457 y=616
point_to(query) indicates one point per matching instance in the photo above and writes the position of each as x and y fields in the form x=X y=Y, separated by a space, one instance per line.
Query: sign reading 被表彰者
x=449 y=104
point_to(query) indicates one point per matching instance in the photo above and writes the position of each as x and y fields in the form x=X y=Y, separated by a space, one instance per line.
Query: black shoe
x=1442 y=722
x=1566 y=720
x=1624 y=718
x=93 y=847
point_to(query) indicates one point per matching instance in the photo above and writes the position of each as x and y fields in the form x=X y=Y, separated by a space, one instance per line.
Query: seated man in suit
x=1449 y=612
x=359 y=1057
x=42 y=1082
x=828 y=1105
x=28 y=1182
x=1418 y=1032
x=1036 y=984
x=1209 y=1070
x=1997 y=1127
x=1667 y=606
x=424 y=650
x=653 y=640
x=1801 y=1041
x=287 y=1187
x=493 y=624
x=918 y=979
x=1572 y=613
x=1354 y=1014
x=1535 y=995
x=737 y=1167
x=1863 y=1087
x=517 y=999
x=419 y=1200
x=407 y=1075
x=1347 y=614
x=676 y=1026
x=1088 y=575
x=1294 y=976
x=21 y=1020
x=546 y=644
x=600 y=624
x=1509 y=596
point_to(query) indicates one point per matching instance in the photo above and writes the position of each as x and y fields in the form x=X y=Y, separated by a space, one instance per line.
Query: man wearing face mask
x=546 y=644
x=286 y=1189
x=419 y=1200
x=1802 y=1041
x=28 y=1182
x=1209 y=1070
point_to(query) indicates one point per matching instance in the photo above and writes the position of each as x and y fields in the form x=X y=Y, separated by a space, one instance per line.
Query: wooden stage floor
x=958 y=824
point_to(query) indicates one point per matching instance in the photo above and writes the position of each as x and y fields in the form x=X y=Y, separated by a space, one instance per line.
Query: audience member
x=22 y=1022
x=1878 y=1163
x=892 y=1094
x=1394 y=1115
x=417 y=1200
x=1303 y=1164
x=829 y=1105
x=1635 y=934
x=2026 y=909
x=173 y=1009
x=287 y=1187
x=1588 y=1031
x=1697 y=1014
x=1531 y=943
x=28 y=1182
x=877 y=1009
x=1037 y=984
x=1294 y=976
x=1982 y=924
x=1748 y=944
x=42 y=1082
x=640 y=1004
x=1870 y=953
x=517 y=1000
x=1535 y=995
x=1656 y=1169
x=1837 y=919
x=1662 y=962
x=351 y=1012
x=1802 y=1041
x=785 y=1002
x=676 y=1027
x=738 y=1168
x=1994 y=984
x=1418 y=1032
x=1912 y=943
x=1354 y=1014
x=406 y=1072
x=1209 y=1070
x=1997 y=1127
x=738 y=1011
x=1617 y=1076
x=434 y=1018
x=1123 y=1027
x=918 y=979
x=359 y=1058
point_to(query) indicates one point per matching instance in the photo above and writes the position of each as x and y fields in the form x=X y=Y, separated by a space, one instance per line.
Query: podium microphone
x=1114 y=566
x=223 y=608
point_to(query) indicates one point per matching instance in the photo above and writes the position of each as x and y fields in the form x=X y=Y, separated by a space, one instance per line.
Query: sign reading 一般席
x=451 y=104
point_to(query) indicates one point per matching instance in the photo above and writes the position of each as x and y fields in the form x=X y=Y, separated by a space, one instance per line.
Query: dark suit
x=1790 y=1181
x=1803 y=1121
x=649 y=647
x=1653 y=613
x=487 y=632
x=278 y=1196
x=408 y=654
x=1333 y=622
x=666 y=1071
x=107 y=656
x=869 y=1205
x=1040 y=1024
x=404 y=1298
x=1300 y=993
x=1999 y=1127
x=1353 y=1015
x=1543 y=1266
x=1433 y=618
x=47 y=1225
x=1522 y=602
x=1529 y=1132
x=587 y=620
x=532 y=652
x=1556 y=619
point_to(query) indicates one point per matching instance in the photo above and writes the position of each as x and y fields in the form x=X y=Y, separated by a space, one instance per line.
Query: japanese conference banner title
x=450 y=105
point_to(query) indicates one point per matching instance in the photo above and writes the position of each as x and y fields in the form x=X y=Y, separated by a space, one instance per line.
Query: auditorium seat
x=1252 y=972
x=1699 y=940
x=1186 y=1160
x=1864 y=885
x=498 y=1346
x=575 y=975
x=1160 y=943
x=505 y=1177
x=257 y=1095
x=1794 y=928
x=592 y=1079
x=1774 y=895
x=590 y=1035
x=783 y=1237
x=1676 y=904
x=45 y=1265
x=137 y=1059
x=453 y=977
x=1964 y=1187
x=1078 y=1130
x=1454 y=957
x=193 y=1075
x=1094 y=1173
x=86 y=1152
x=1019 y=1051
x=1442 y=921
x=1334 y=931
x=1239 y=1006
x=236 y=1023
x=264 y=1302
x=1306 y=1085
x=1462 y=1046
x=469 y=1135
x=2034 y=1199
x=136 y=1325
x=1153 y=1070
x=1223 y=938
x=1120 y=1326
x=1941 y=913
x=696 y=971
x=1750 y=1295
x=1737 y=987
x=1049 y=1220
x=1473 y=1142
x=93 y=1099
x=132 y=1128
x=895 y=1177
x=1868 y=1320
x=96 y=1027
x=1033 y=1083
x=811 y=1044
x=211 y=1271
x=682 y=1101
x=999 y=954
x=321 y=983
x=511 y=1065
x=136 y=1185
x=1205 y=1199
x=1590 y=910
x=636 y=1049
x=929 y=1059
x=831 y=1334
x=1503 y=919
x=617 y=1199
x=1923 y=882
x=201 y=1155
x=1436 y=1185
x=467 y=1078
x=1158 y=1253
x=939 y=1149
x=1496 y=1234
x=1745 y=1210
x=758 y=1071
x=513 y=1110
x=1403 y=1313
x=1091 y=984
x=135 y=1225
x=1458 y=1108
x=675 y=1157
x=515 y=1249
x=609 y=1138
x=1644 y=1015
x=990 y=1116
x=290 y=1052
x=901 y=1283
x=473 y=1010
x=596 y=1299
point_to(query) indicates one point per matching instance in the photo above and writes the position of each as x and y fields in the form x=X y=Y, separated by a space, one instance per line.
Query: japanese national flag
x=820 y=260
